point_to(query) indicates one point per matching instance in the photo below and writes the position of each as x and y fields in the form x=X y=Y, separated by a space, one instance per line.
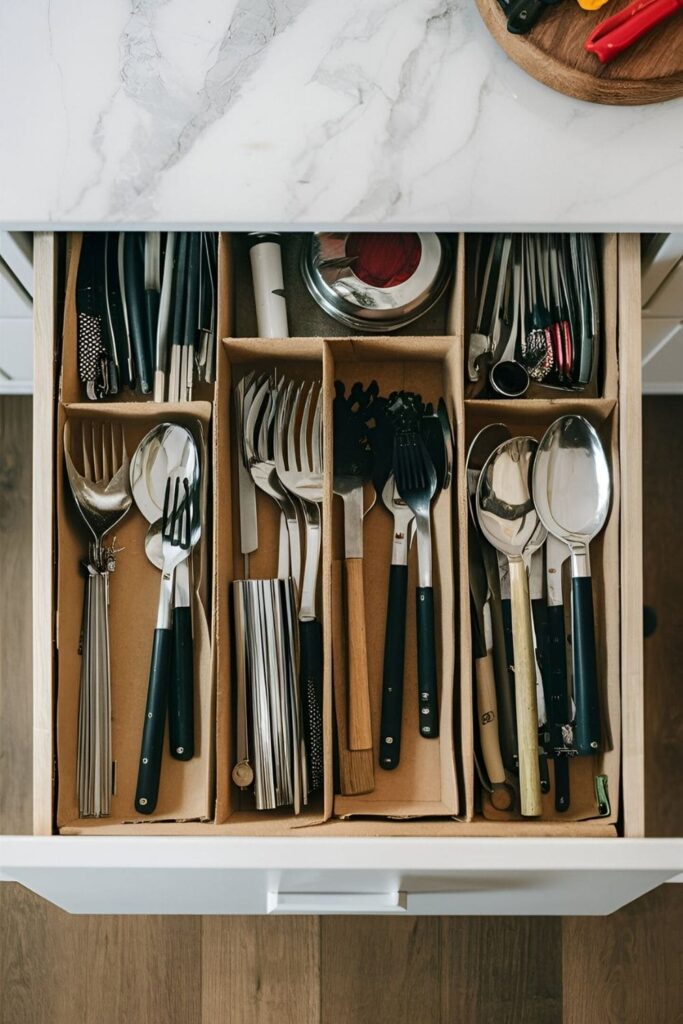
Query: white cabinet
x=221 y=875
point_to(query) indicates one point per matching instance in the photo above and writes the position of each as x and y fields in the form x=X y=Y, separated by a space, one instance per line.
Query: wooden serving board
x=649 y=72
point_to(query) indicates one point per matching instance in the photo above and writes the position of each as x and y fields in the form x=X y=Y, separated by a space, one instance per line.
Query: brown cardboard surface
x=186 y=789
x=532 y=417
x=255 y=823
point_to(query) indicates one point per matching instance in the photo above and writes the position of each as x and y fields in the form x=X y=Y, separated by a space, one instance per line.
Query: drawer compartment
x=434 y=365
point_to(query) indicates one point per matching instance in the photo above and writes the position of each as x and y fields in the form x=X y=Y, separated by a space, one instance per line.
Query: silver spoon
x=572 y=492
x=169 y=448
x=509 y=522
x=483 y=444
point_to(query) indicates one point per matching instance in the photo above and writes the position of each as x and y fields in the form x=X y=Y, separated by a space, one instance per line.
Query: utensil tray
x=56 y=379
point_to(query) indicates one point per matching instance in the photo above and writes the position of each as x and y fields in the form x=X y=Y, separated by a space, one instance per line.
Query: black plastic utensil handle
x=137 y=312
x=428 y=700
x=392 y=676
x=181 y=690
x=587 y=733
x=149 y=770
x=557 y=698
x=311 y=689
x=152 y=301
x=561 y=770
x=505 y=696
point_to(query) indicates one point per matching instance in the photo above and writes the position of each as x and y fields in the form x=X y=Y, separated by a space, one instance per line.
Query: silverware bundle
x=146 y=312
x=101 y=491
x=279 y=432
x=265 y=621
x=537 y=303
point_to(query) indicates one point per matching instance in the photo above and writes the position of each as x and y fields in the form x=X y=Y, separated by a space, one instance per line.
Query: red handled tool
x=614 y=35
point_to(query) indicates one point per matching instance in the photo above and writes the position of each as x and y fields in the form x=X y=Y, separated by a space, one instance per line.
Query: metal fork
x=416 y=482
x=176 y=539
x=103 y=496
x=260 y=409
x=299 y=464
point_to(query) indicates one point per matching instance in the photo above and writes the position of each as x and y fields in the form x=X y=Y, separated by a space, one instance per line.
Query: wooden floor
x=624 y=969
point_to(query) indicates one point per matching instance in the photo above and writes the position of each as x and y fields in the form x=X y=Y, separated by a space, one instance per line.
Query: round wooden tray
x=649 y=72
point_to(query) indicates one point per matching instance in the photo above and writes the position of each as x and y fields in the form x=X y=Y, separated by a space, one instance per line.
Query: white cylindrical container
x=269 y=292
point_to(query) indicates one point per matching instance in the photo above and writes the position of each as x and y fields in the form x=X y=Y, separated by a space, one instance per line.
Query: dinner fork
x=176 y=538
x=101 y=491
x=260 y=405
x=299 y=464
x=416 y=481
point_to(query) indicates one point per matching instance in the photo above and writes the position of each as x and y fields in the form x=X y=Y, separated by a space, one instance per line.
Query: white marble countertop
x=309 y=113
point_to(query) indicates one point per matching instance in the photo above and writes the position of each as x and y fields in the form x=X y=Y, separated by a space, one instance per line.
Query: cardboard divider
x=604 y=382
x=186 y=789
x=532 y=417
x=426 y=781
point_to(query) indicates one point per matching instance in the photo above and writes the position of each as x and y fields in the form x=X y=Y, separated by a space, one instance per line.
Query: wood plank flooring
x=624 y=969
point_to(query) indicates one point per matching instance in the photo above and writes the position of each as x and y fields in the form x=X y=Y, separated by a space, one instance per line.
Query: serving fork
x=416 y=480
x=260 y=406
x=176 y=540
x=101 y=491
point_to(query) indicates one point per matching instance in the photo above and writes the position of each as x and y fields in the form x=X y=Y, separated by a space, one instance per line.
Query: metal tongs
x=614 y=35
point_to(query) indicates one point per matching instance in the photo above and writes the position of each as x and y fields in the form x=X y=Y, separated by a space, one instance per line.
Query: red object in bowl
x=614 y=35
x=384 y=260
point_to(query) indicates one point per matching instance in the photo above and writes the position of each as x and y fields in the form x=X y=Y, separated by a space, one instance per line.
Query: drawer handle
x=337 y=903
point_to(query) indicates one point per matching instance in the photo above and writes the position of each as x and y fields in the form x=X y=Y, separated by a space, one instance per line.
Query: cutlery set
x=405 y=449
x=146 y=312
x=277 y=624
x=537 y=303
x=163 y=480
x=535 y=505
x=146 y=307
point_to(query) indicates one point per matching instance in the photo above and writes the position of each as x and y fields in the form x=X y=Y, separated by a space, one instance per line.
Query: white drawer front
x=221 y=875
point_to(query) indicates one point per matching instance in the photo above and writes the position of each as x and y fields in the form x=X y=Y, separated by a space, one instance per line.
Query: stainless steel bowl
x=328 y=270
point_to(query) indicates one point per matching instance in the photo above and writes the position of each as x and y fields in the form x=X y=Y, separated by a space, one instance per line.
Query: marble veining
x=309 y=112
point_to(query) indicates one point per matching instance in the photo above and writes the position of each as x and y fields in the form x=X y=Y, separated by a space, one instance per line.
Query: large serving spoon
x=572 y=491
x=509 y=522
x=485 y=594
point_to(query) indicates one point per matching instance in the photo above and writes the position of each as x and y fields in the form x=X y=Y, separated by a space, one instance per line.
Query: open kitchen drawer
x=428 y=866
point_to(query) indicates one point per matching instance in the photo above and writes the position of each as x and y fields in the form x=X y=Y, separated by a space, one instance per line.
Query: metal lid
x=328 y=270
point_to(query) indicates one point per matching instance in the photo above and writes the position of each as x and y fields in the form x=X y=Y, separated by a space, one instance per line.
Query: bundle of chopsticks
x=146 y=310
x=266 y=637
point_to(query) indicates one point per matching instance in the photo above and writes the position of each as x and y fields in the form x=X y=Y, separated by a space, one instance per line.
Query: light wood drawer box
x=356 y=866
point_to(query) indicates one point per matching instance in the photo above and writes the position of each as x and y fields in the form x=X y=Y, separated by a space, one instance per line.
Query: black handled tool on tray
x=572 y=493
x=416 y=481
x=176 y=541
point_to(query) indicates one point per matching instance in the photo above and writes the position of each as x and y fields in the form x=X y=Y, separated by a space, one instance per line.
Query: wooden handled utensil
x=509 y=521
